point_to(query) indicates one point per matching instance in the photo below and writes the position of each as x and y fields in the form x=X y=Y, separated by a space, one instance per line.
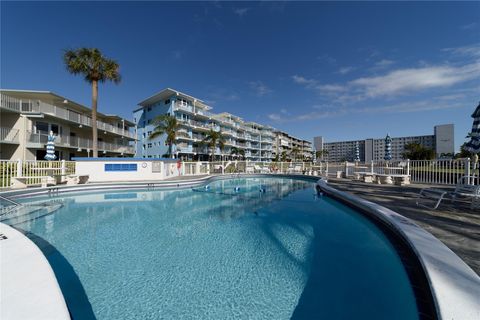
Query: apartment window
x=143 y=147
x=149 y=121
x=143 y=135
x=149 y=145
x=149 y=109
x=167 y=101
x=149 y=133
x=144 y=123
x=41 y=127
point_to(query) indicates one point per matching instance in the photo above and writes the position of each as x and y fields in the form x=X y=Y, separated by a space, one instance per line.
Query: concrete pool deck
x=455 y=224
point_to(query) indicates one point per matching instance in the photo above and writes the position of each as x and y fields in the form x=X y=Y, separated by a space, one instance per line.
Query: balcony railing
x=9 y=135
x=78 y=142
x=191 y=109
x=18 y=105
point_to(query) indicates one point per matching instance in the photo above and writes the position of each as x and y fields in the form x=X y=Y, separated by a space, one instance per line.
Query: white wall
x=95 y=169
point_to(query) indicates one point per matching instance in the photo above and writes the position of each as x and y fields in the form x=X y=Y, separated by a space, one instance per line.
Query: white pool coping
x=28 y=286
x=454 y=285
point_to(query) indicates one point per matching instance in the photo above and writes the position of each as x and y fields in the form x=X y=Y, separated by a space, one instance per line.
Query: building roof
x=61 y=100
x=168 y=92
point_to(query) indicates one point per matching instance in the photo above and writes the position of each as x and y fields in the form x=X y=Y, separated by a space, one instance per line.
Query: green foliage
x=464 y=153
x=283 y=156
x=415 y=151
x=237 y=152
x=165 y=124
x=213 y=139
x=92 y=64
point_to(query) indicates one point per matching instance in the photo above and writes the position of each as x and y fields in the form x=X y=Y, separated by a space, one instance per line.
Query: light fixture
x=104 y=132
x=79 y=149
x=80 y=126
x=65 y=101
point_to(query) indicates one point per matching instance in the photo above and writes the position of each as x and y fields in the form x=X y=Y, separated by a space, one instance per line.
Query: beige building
x=285 y=143
x=26 y=118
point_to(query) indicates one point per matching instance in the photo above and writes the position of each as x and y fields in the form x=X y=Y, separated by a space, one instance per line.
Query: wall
x=444 y=139
x=95 y=169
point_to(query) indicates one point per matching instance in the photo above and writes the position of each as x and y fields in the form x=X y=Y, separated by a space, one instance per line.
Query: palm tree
x=295 y=152
x=237 y=152
x=212 y=139
x=165 y=124
x=95 y=68
x=320 y=153
x=283 y=156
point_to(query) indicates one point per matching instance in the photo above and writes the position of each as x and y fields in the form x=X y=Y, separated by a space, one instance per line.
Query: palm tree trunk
x=94 y=118
x=170 y=150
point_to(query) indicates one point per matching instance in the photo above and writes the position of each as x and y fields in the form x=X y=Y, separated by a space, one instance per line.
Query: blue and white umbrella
x=357 y=152
x=388 y=148
x=50 y=147
x=474 y=144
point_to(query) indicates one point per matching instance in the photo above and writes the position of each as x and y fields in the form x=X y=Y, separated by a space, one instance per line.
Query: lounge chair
x=261 y=169
x=463 y=190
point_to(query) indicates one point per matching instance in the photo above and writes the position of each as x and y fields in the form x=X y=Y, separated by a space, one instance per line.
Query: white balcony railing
x=78 y=142
x=18 y=105
x=9 y=135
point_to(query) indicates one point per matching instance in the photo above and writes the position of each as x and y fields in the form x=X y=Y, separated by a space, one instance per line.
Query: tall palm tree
x=320 y=153
x=283 y=156
x=295 y=152
x=213 y=139
x=95 y=68
x=237 y=152
x=166 y=124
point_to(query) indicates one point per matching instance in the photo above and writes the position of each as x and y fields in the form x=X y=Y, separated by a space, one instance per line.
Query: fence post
x=223 y=167
x=467 y=169
x=19 y=167
x=371 y=166
x=63 y=167
x=408 y=167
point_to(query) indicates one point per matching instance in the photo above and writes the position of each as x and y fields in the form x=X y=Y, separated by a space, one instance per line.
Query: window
x=143 y=147
x=149 y=133
x=149 y=145
x=41 y=127
x=167 y=101
x=149 y=109
x=149 y=121
x=143 y=135
x=120 y=167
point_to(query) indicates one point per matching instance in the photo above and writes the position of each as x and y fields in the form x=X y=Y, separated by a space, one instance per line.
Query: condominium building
x=291 y=148
x=27 y=117
x=442 y=142
x=196 y=120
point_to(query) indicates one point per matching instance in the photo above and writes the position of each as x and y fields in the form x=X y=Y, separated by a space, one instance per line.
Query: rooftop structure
x=28 y=116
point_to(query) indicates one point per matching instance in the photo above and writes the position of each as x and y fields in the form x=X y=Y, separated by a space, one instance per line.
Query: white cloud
x=241 y=11
x=259 y=88
x=345 y=70
x=302 y=80
x=468 y=51
x=384 y=63
x=416 y=79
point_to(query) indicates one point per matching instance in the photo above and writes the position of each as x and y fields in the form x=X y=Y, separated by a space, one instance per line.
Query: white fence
x=447 y=172
x=35 y=170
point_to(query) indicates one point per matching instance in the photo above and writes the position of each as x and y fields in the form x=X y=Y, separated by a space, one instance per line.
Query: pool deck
x=455 y=224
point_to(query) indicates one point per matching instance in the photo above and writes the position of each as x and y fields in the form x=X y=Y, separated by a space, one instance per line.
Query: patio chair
x=463 y=190
x=261 y=169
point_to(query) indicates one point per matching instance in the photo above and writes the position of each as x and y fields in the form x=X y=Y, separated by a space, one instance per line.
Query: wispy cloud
x=384 y=63
x=241 y=11
x=416 y=79
x=469 y=26
x=465 y=51
x=345 y=70
x=259 y=88
x=327 y=58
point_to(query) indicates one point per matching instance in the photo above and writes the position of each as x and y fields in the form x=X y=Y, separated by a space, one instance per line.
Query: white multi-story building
x=442 y=142
x=27 y=117
x=291 y=147
x=196 y=120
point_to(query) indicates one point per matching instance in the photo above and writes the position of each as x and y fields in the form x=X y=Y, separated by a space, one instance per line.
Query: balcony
x=191 y=109
x=8 y=135
x=23 y=106
x=78 y=143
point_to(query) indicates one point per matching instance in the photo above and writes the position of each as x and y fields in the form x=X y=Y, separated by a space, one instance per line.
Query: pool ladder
x=8 y=209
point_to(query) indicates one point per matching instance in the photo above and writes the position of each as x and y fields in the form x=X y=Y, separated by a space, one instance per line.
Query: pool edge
x=454 y=286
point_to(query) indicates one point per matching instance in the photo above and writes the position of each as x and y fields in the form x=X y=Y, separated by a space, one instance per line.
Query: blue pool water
x=221 y=253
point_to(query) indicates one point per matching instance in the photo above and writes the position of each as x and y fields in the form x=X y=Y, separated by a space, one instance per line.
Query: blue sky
x=342 y=70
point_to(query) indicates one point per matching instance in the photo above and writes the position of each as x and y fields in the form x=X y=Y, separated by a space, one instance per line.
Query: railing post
x=408 y=167
x=19 y=168
x=467 y=169
x=63 y=167
x=371 y=166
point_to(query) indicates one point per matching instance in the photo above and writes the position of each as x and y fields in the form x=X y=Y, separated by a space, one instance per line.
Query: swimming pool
x=227 y=251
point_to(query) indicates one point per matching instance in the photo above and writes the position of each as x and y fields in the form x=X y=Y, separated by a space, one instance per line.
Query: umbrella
x=474 y=144
x=388 y=148
x=50 y=147
x=357 y=152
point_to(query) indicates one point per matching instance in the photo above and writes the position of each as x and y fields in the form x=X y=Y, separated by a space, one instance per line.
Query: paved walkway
x=455 y=224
